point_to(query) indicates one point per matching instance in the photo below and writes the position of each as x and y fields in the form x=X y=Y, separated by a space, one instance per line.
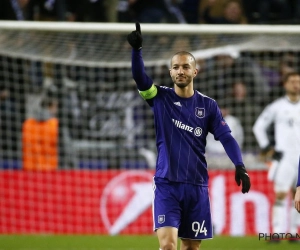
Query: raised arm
x=144 y=83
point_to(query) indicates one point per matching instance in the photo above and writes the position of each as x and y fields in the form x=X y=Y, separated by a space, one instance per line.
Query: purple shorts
x=184 y=206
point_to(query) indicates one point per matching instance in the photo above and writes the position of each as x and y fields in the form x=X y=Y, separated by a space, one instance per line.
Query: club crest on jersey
x=200 y=112
x=161 y=219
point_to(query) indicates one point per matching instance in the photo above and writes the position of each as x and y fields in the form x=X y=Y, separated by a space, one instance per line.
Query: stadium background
x=102 y=184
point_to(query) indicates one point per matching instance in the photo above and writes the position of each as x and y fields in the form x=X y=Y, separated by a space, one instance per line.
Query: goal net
x=81 y=73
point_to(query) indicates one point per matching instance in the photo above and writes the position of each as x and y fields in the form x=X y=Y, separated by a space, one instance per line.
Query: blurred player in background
x=297 y=195
x=284 y=113
x=183 y=117
x=13 y=10
x=40 y=138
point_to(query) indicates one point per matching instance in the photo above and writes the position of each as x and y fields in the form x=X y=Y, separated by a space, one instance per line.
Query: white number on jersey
x=199 y=228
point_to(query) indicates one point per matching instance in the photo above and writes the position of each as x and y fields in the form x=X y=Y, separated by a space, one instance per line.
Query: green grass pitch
x=79 y=242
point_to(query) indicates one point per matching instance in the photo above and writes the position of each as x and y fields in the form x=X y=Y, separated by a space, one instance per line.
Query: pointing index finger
x=138 y=27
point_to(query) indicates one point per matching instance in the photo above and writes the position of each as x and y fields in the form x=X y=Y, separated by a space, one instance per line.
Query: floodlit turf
x=79 y=242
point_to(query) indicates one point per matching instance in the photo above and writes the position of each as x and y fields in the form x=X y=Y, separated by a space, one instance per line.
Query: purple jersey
x=182 y=125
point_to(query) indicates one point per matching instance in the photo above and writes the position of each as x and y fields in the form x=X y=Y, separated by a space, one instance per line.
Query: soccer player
x=183 y=117
x=284 y=113
x=297 y=195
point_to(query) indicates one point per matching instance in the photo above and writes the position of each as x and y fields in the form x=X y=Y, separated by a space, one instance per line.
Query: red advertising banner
x=119 y=202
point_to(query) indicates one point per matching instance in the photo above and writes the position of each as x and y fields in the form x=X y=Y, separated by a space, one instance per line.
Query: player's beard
x=182 y=84
x=293 y=93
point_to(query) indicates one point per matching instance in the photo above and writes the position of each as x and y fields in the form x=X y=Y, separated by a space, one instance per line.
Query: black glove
x=277 y=156
x=135 y=38
x=242 y=175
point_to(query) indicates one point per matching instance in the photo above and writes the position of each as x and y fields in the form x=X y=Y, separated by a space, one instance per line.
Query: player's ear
x=196 y=72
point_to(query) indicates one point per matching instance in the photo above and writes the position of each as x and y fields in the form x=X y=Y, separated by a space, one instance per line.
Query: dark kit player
x=183 y=117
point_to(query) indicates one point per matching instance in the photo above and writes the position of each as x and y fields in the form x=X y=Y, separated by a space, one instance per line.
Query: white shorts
x=285 y=172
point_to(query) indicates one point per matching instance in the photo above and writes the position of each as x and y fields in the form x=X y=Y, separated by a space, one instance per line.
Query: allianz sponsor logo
x=197 y=131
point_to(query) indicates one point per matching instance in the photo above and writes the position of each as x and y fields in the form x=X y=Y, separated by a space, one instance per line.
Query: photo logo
x=278 y=236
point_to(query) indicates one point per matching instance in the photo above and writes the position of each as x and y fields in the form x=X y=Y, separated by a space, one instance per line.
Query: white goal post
x=150 y=28
x=253 y=31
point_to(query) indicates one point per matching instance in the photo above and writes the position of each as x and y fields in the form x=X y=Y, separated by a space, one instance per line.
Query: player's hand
x=297 y=199
x=241 y=175
x=266 y=154
x=135 y=38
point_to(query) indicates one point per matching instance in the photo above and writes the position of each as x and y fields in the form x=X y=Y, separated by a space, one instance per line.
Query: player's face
x=292 y=85
x=183 y=70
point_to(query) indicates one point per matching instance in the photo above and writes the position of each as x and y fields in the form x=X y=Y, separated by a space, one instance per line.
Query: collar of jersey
x=185 y=98
x=289 y=100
